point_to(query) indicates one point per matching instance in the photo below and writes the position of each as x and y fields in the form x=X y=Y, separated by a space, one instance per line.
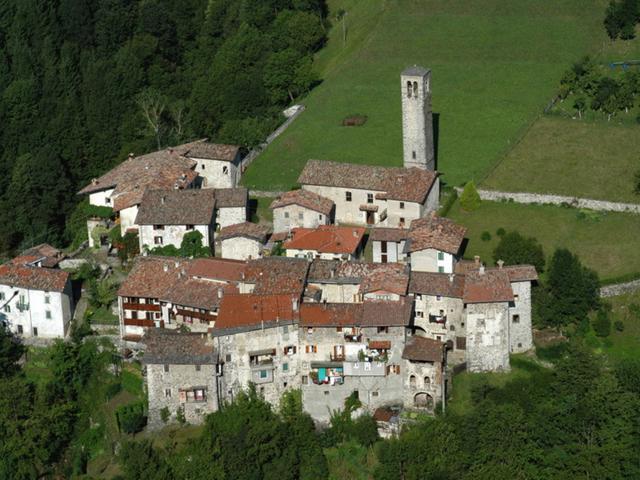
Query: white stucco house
x=165 y=216
x=231 y=206
x=217 y=165
x=35 y=301
x=372 y=195
x=301 y=209
x=243 y=241
x=434 y=244
x=388 y=244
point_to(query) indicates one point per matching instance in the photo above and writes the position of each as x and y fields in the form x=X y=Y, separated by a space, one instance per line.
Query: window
x=35 y=332
x=107 y=200
x=20 y=329
x=286 y=214
x=197 y=368
x=369 y=197
x=167 y=393
x=225 y=170
x=157 y=240
x=439 y=338
x=309 y=330
x=47 y=299
x=202 y=166
x=409 y=89
x=516 y=319
x=515 y=297
x=439 y=298
x=285 y=329
x=158 y=227
x=452 y=328
x=412 y=381
x=199 y=395
x=7 y=308
x=440 y=269
x=441 y=256
x=383 y=329
x=228 y=357
x=338 y=329
x=374 y=394
x=401 y=205
x=519 y=345
x=347 y=196
x=47 y=314
x=285 y=367
x=320 y=217
x=326 y=392
x=427 y=381
x=419 y=314
x=1 y=295
x=401 y=220
x=134 y=315
x=305 y=380
x=413 y=154
x=190 y=227
x=166 y=368
x=311 y=349
x=415 y=89
x=263 y=374
x=301 y=216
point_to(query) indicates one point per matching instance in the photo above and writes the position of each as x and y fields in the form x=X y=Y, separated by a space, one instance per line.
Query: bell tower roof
x=415 y=71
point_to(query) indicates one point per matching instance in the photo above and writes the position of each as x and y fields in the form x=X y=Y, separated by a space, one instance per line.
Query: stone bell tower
x=417 y=119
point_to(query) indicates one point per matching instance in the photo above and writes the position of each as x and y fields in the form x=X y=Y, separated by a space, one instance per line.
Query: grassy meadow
x=606 y=242
x=494 y=66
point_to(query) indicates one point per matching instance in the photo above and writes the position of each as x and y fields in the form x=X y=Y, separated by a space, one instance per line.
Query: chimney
x=165 y=267
x=219 y=293
x=94 y=181
x=355 y=233
x=481 y=269
x=170 y=150
x=451 y=276
x=241 y=275
x=333 y=272
x=294 y=304
x=476 y=259
x=177 y=264
x=500 y=264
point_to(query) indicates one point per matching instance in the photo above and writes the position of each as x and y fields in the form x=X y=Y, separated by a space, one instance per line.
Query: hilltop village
x=293 y=305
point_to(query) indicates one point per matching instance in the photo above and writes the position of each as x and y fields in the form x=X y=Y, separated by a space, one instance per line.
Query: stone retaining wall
x=620 y=288
x=576 y=202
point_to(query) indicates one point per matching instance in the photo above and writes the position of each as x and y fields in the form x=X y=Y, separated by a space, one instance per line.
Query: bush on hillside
x=131 y=418
x=470 y=199
x=514 y=249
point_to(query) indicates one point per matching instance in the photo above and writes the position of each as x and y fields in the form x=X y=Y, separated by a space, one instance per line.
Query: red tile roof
x=34 y=278
x=404 y=184
x=250 y=310
x=488 y=287
x=277 y=275
x=153 y=276
x=177 y=207
x=422 y=349
x=306 y=199
x=330 y=314
x=516 y=273
x=49 y=255
x=327 y=239
x=387 y=313
x=435 y=232
x=254 y=231
x=437 y=284
x=222 y=269
x=191 y=292
x=392 y=278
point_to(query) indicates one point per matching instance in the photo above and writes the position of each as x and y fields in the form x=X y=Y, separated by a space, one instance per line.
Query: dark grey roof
x=231 y=197
x=175 y=348
x=415 y=71
x=176 y=207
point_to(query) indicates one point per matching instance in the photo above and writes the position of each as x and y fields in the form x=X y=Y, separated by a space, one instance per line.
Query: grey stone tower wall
x=488 y=337
x=417 y=118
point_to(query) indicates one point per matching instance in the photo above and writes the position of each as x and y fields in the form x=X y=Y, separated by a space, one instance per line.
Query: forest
x=85 y=82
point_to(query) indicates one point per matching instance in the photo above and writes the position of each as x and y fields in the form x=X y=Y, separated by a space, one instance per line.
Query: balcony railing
x=353 y=337
x=337 y=357
x=22 y=306
x=442 y=319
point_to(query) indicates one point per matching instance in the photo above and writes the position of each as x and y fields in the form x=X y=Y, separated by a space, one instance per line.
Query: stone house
x=165 y=216
x=388 y=244
x=43 y=255
x=257 y=338
x=434 y=244
x=123 y=187
x=217 y=165
x=243 y=241
x=231 y=206
x=326 y=242
x=301 y=209
x=35 y=301
x=181 y=374
x=424 y=373
x=372 y=195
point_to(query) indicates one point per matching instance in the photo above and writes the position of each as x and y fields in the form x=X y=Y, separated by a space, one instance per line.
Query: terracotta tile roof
x=49 y=255
x=159 y=170
x=380 y=344
x=392 y=278
x=345 y=271
x=306 y=199
x=488 y=287
x=442 y=284
x=153 y=276
x=191 y=292
x=173 y=348
x=435 y=232
x=327 y=239
x=422 y=349
x=33 y=278
x=330 y=314
x=251 y=310
x=384 y=414
x=387 y=314
x=231 y=197
x=255 y=231
x=516 y=273
x=176 y=207
x=404 y=184
x=388 y=234
x=277 y=275
x=213 y=151
x=222 y=269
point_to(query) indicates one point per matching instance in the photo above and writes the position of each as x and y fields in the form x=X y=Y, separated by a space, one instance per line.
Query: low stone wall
x=576 y=202
x=265 y=193
x=620 y=288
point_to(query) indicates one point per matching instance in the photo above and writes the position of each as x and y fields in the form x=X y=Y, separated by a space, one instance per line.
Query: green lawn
x=495 y=65
x=36 y=367
x=606 y=242
x=259 y=211
x=625 y=344
x=591 y=159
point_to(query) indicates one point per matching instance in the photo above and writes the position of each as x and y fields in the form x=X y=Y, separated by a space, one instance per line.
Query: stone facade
x=218 y=173
x=432 y=260
x=488 y=337
x=295 y=216
x=388 y=252
x=240 y=248
x=227 y=216
x=520 y=325
x=417 y=120
x=150 y=236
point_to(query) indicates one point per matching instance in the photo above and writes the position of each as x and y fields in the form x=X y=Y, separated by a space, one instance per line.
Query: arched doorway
x=423 y=400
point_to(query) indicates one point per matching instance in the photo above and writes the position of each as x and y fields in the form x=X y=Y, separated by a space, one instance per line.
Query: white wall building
x=243 y=241
x=218 y=165
x=301 y=209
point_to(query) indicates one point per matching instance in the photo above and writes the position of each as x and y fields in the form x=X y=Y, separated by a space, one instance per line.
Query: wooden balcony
x=209 y=317
x=147 y=307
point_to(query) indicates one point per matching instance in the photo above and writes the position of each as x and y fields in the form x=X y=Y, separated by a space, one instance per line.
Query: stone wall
x=487 y=337
x=620 y=288
x=520 y=333
x=294 y=216
x=576 y=202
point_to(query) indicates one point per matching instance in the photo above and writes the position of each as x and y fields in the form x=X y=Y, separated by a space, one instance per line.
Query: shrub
x=354 y=121
x=470 y=199
x=165 y=414
x=602 y=323
x=131 y=418
x=182 y=420
x=501 y=232
x=619 y=325
x=480 y=389
x=514 y=249
x=450 y=198
x=112 y=390
x=485 y=236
